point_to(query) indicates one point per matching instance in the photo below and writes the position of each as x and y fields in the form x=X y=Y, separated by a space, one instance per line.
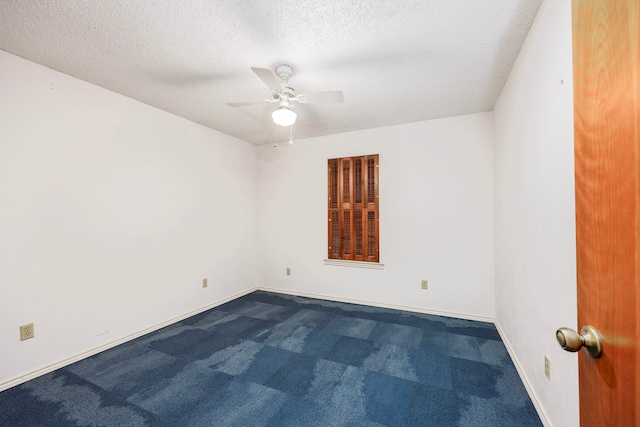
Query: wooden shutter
x=353 y=208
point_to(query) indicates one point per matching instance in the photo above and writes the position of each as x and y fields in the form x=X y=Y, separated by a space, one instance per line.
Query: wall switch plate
x=204 y=283
x=27 y=332
x=425 y=284
x=288 y=272
x=547 y=367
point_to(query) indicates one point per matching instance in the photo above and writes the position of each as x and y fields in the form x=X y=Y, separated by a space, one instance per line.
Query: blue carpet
x=275 y=360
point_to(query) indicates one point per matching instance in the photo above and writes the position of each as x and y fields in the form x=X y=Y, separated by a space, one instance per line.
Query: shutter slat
x=371 y=179
x=371 y=234
x=333 y=183
x=346 y=234
x=335 y=235
x=358 y=181
x=346 y=183
x=358 y=234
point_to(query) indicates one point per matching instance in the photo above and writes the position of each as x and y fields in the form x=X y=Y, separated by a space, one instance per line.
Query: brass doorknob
x=589 y=338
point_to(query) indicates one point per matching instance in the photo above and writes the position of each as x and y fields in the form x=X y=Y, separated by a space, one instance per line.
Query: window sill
x=356 y=264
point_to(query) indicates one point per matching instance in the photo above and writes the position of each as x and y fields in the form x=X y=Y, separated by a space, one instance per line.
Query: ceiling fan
x=285 y=94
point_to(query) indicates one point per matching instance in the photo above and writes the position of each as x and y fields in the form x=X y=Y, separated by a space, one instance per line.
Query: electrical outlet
x=204 y=283
x=27 y=332
x=547 y=367
x=425 y=284
x=288 y=272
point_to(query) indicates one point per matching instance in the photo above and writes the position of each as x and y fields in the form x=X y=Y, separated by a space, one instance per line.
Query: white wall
x=111 y=213
x=436 y=216
x=535 y=213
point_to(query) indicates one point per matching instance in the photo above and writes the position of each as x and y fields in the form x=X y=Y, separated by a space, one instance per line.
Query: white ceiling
x=397 y=61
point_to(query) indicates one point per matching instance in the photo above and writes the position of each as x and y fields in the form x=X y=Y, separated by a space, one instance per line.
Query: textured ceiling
x=397 y=61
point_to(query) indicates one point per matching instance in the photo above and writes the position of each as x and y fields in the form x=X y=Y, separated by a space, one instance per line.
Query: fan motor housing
x=289 y=91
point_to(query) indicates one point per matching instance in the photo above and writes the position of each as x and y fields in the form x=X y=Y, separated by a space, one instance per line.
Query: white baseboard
x=61 y=364
x=377 y=304
x=523 y=377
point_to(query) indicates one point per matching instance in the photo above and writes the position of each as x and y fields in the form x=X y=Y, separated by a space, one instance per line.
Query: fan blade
x=334 y=96
x=268 y=78
x=242 y=104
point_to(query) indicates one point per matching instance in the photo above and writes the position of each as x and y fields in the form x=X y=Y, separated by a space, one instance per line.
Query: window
x=353 y=209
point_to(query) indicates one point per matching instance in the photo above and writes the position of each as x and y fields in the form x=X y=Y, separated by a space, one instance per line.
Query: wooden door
x=606 y=61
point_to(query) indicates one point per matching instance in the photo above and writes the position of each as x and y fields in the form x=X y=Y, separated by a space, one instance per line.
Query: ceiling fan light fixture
x=284 y=116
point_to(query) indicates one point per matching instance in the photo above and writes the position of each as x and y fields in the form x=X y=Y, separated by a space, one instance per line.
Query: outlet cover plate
x=27 y=332
x=425 y=284
x=205 y=283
